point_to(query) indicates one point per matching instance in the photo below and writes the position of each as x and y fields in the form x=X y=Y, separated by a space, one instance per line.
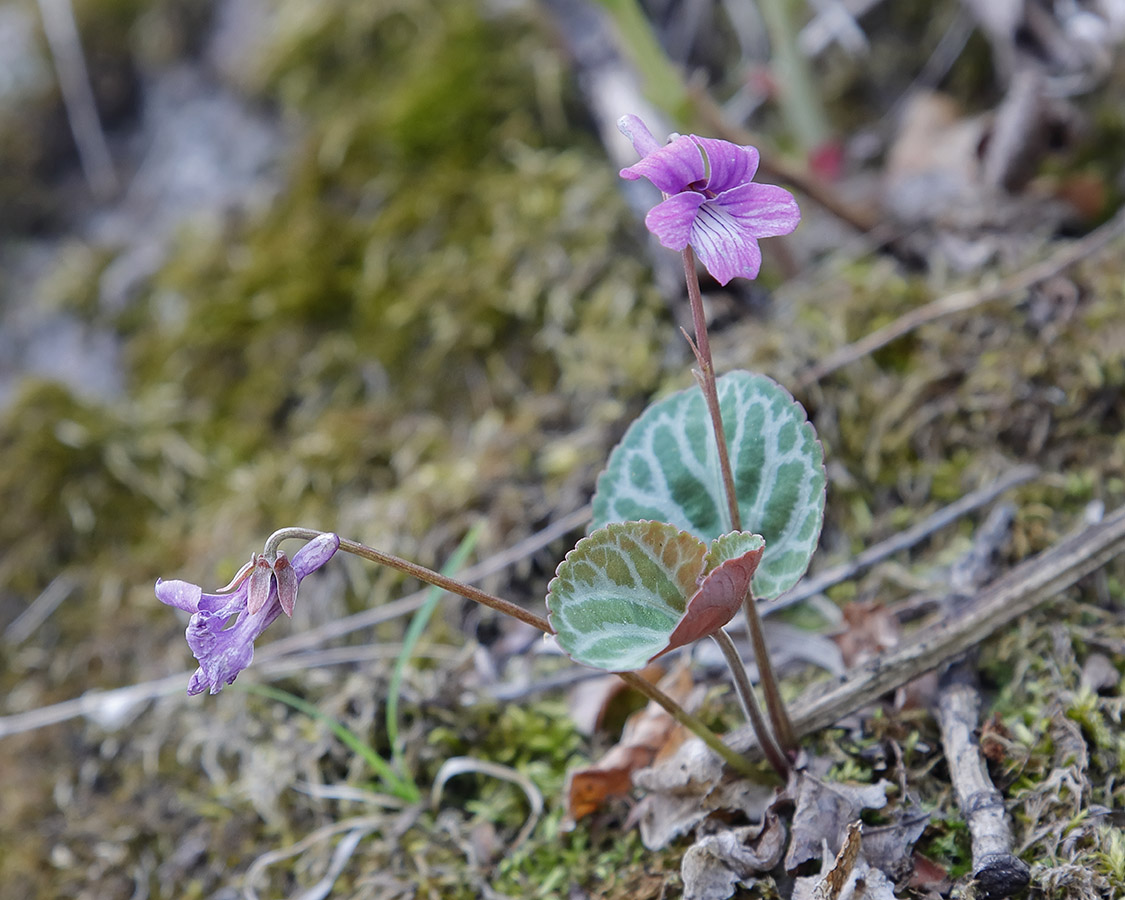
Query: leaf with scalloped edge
x=666 y=468
x=633 y=590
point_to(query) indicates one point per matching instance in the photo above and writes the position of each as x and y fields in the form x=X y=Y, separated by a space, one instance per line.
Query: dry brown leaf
x=717 y=862
x=685 y=787
x=832 y=883
x=591 y=702
x=890 y=848
x=647 y=736
x=849 y=877
x=824 y=812
x=929 y=875
x=870 y=630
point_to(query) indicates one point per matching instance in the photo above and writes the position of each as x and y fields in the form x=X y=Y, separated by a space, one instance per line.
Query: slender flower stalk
x=746 y=694
x=315 y=553
x=779 y=718
x=712 y=205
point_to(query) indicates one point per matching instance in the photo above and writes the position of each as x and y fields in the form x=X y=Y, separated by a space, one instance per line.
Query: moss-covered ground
x=446 y=316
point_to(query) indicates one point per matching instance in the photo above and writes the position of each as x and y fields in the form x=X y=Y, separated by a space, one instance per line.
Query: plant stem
x=693 y=723
x=750 y=703
x=779 y=719
x=681 y=715
x=702 y=350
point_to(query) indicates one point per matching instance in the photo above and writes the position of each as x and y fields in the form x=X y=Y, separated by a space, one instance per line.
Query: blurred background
x=367 y=267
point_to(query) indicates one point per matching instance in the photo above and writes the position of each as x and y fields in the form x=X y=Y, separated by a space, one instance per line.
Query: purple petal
x=761 y=210
x=315 y=554
x=672 y=220
x=224 y=652
x=180 y=594
x=730 y=164
x=672 y=168
x=723 y=246
x=637 y=131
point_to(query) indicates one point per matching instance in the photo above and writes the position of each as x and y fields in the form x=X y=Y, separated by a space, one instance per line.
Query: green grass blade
x=410 y=641
x=405 y=790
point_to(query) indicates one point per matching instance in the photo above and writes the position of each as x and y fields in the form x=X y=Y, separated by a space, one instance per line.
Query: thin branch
x=810 y=587
x=997 y=871
x=804 y=181
x=962 y=301
x=78 y=96
x=1027 y=586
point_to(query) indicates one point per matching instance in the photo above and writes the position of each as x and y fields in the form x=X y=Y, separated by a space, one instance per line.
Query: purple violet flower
x=224 y=652
x=710 y=200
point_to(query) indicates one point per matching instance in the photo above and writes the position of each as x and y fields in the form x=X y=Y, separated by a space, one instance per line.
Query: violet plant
x=713 y=499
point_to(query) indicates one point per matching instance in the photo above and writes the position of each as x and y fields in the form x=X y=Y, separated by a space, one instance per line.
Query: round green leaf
x=666 y=468
x=634 y=590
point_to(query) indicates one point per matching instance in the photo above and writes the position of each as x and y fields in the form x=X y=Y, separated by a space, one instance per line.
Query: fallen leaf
x=717 y=862
x=833 y=881
x=929 y=875
x=683 y=788
x=890 y=848
x=593 y=702
x=870 y=629
x=647 y=734
x=824 y=812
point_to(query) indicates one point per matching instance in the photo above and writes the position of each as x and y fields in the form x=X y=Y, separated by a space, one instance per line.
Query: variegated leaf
x=666 y=468
x=625 y=591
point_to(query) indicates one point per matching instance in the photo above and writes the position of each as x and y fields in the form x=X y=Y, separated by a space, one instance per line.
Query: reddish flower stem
x=429 y=576
x=779 y=718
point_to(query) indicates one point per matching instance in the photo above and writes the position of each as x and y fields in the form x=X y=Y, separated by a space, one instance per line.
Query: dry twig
x=961 y=301
x=78 y=96
x=903 y=540
x=1030 y=584
x=997 y=872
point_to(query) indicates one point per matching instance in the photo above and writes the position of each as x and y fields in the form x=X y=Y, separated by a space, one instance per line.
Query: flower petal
x=723 y=246
x=180 y=594
x=672 y=168
x=672 y=220
x=730 y=164
x=224 y=652
x=761 y=210
x=315 y=554
x=637 y=131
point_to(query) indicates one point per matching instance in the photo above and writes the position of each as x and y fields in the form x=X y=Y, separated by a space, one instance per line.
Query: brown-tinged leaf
x=870 y=629
x=594 y=701
x=719 y=597
x=647 y=734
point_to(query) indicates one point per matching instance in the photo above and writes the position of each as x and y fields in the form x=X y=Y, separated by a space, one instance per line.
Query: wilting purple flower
x=710 y=199
x=224 y=652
